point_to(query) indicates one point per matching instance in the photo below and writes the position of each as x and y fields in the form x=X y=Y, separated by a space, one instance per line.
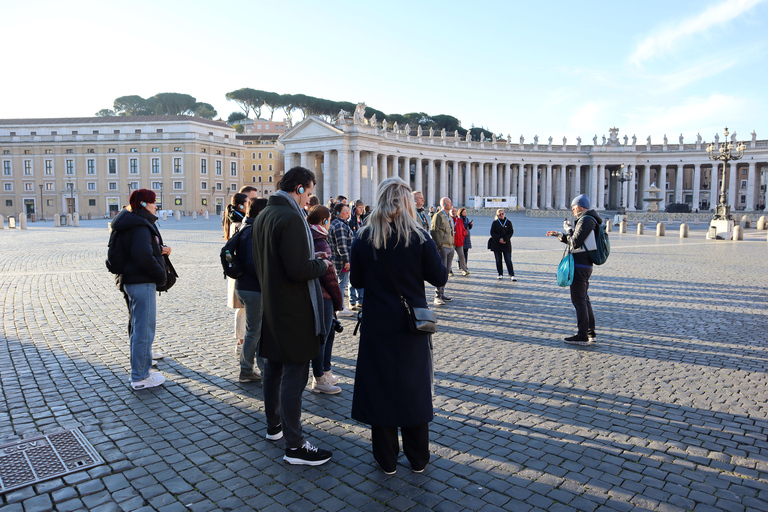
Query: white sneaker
x=331 y=378
x=512 y=278
x=154 y=379
x=322 y=385
x=345 y=312
x=465 y=272
x=439 y=301
x=500 y=277
x=157 y=355
x=154 y=362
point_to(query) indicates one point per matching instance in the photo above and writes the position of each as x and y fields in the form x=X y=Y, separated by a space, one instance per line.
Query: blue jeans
x=343 y=284
x=142 y=310
x=355 y=295
x=251 y=301
x=322 y=363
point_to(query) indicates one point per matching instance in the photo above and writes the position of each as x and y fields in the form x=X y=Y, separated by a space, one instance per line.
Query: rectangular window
x=233 y=154
x=177 y=149
x=112 y=185
x=6 y=151
x=27 y=167
x=156 y=185
x=233 y=169
x=90 y=166
x=178 y=185
x=134 y=185
x=177 y=165
x=27 y=186
x=91 y=202
x=48 y=151
x=233 y=187
x=203 y=166
x=8 y=187
x=91 y=151
x=49 y=167
x=134 y=150
x=203 y=185
x=743 y=184
x=9 y=202
x=133 y=166
x=155 y=150
x=69 y=151
x=27 y=151
x=112 y=166
x=218 y=186
x=204 y=150
x=69 y=167
x=218 y=167
x=7 y=168
x=155 y=166
x=49 y=186
x=91 y=185
x=112 y=150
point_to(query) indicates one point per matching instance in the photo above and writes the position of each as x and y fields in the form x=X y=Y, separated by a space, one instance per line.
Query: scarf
x=315 y=291
x=320 y=229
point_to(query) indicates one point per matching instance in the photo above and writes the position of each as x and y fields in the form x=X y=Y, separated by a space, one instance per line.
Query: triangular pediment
x=310 y=128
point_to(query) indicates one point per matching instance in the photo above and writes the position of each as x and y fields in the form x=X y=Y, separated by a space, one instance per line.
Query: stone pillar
x=561 y=195
x=631 y=189
x=22 y=220
x=304 y=159
x=494 y=180
x=521 y=184
x=507 y=180
x=467 y=183
x=430 y=196
x=355 y=177
x=535 y=186
x=646 y=180
x=732 y=185
x=696 y=186
x=481 y=179
x=2 y=221
x=419 y=177
x=342 y=177
x=455 y=182
x=373 y=179
x=662 y=184
x=751 y=196
x=177 y=214
x=679 y=184
x=576 y=189
x=593 y=196
x=327 y=192
x=546 y=187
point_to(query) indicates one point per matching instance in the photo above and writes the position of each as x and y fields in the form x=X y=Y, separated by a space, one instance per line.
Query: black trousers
x=415 y=446
x=283 y=386
x=580 y=300
x=507 y=260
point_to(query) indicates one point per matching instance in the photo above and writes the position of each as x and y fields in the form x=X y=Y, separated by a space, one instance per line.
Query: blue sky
x=556 y=69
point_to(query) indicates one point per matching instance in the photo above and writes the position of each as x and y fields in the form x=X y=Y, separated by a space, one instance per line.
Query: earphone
x=240 y=206
x=144 y=204
x=301 y=189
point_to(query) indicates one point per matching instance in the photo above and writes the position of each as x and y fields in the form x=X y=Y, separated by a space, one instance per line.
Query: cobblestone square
x=666 y=412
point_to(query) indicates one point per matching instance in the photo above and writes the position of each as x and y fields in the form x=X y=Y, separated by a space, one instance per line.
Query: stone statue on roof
x=522 y=140
x=340 y=117
x=681 y=138
x=419 y=131
x=359 y=117
x=626 y=139
x=594 y=140
x=373 y=120
x=482 y=137
x=754 y=136
x=634 y=139
x=407 y=128
x=442 y=134
x=733 y=137
x=665 y=139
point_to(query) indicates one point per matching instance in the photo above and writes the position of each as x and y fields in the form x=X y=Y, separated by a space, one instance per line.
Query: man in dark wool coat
x=292 y=322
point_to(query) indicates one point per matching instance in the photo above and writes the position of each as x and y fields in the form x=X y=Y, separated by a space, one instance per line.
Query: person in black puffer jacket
x=143 y=247
x=581 y=240
x=248 y=292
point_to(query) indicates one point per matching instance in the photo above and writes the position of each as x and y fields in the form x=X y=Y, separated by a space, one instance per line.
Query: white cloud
x=666 y=38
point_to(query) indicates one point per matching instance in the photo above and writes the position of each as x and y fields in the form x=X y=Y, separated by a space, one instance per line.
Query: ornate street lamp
x=622 y=177
x=725 y=152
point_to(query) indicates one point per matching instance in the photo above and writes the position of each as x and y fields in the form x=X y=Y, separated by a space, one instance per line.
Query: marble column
x=481 y=180
x=304 y=159
x=494 y=180
x=546 y=188
x=342 y=181
x=662 y=184
x=507 y=190
x=679 y=184
x=593 y=186
x=355 y=177
x=328 y=191
x=374 y=179
x=534 y=186
x=733 y=186
x=468 y=184
x=455 y=182
x=418 y=183
x=563 y=178
x=751 y=188
x=632 y=189
x=696 y=186
x=430 y=195
x=576 y=189
x=521 y=184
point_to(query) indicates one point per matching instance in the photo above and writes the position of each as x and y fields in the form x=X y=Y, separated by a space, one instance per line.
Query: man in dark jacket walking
x=582 y=240
x=292 y=321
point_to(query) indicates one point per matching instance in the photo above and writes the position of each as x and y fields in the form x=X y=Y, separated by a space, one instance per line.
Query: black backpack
x=116 y=254
x=230 y=260
x=600 y=255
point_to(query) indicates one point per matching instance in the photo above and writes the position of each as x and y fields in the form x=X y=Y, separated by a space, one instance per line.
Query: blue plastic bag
x=565 y=269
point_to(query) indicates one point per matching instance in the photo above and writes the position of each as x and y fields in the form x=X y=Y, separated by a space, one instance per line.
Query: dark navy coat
x=392 y=378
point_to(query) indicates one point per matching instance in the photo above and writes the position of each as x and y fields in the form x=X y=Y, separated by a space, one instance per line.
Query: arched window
x=259 y=179
x=253 y=167
x=253 y=155
x=270 y=179
x=254 y=179
x=270 y=155
x=259 y=166
x=270 y=167
x=259 y=155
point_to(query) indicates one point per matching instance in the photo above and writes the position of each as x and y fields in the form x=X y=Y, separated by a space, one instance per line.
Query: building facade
x=263 y=161
x=351 y=156
x=91 y=165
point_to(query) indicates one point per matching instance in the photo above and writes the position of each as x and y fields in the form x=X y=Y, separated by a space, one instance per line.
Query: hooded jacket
x=141 y=240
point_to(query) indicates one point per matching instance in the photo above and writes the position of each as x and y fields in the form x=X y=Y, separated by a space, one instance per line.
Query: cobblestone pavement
x=667 y=412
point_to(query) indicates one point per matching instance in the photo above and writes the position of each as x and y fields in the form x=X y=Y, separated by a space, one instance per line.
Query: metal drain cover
x=36 y=459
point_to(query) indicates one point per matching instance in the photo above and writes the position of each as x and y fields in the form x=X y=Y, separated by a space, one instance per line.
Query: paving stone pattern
x=667 y=412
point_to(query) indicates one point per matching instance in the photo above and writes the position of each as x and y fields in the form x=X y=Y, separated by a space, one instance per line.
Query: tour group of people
x=305 y=264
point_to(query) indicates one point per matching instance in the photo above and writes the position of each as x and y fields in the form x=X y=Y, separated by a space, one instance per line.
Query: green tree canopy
x=205 y=110
x=235 y=117
x=105 y=112
x=132 y=105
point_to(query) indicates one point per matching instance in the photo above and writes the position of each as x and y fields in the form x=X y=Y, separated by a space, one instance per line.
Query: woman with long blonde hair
x=391 y=259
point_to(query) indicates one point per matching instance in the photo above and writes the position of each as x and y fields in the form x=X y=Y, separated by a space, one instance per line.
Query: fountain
x=653 y=199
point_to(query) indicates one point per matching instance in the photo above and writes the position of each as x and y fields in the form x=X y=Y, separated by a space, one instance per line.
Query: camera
x=337 y=325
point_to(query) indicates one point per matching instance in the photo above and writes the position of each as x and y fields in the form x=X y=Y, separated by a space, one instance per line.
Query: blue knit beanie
x=581 y=200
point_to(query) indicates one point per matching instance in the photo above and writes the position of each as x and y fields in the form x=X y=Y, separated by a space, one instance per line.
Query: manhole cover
x=39 y=458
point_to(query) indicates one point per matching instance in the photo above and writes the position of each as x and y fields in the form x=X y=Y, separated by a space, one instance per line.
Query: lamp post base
x=720 y=229
x=723 y=212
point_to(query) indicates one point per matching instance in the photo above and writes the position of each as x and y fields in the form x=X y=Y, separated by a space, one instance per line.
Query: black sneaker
x=578 y=340
x=275 y=433
x=307 y=455
x=447 y=299
x=249 y=376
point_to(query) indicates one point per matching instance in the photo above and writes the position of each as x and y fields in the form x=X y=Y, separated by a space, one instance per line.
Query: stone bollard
x=683 y=230
x=2 y=222
x=194 y=215
x=660 y=229
x=76 y=219
x=640 y=228
x=11 y=223
x=69 y=219
x=206 y=215
x=761 y=222
x=178 y=215
x=746 y=222
x=22 y=221
x=56 y=220
x=608 y=225
x=165 y=216
x=738 y=233
x=623 y=226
